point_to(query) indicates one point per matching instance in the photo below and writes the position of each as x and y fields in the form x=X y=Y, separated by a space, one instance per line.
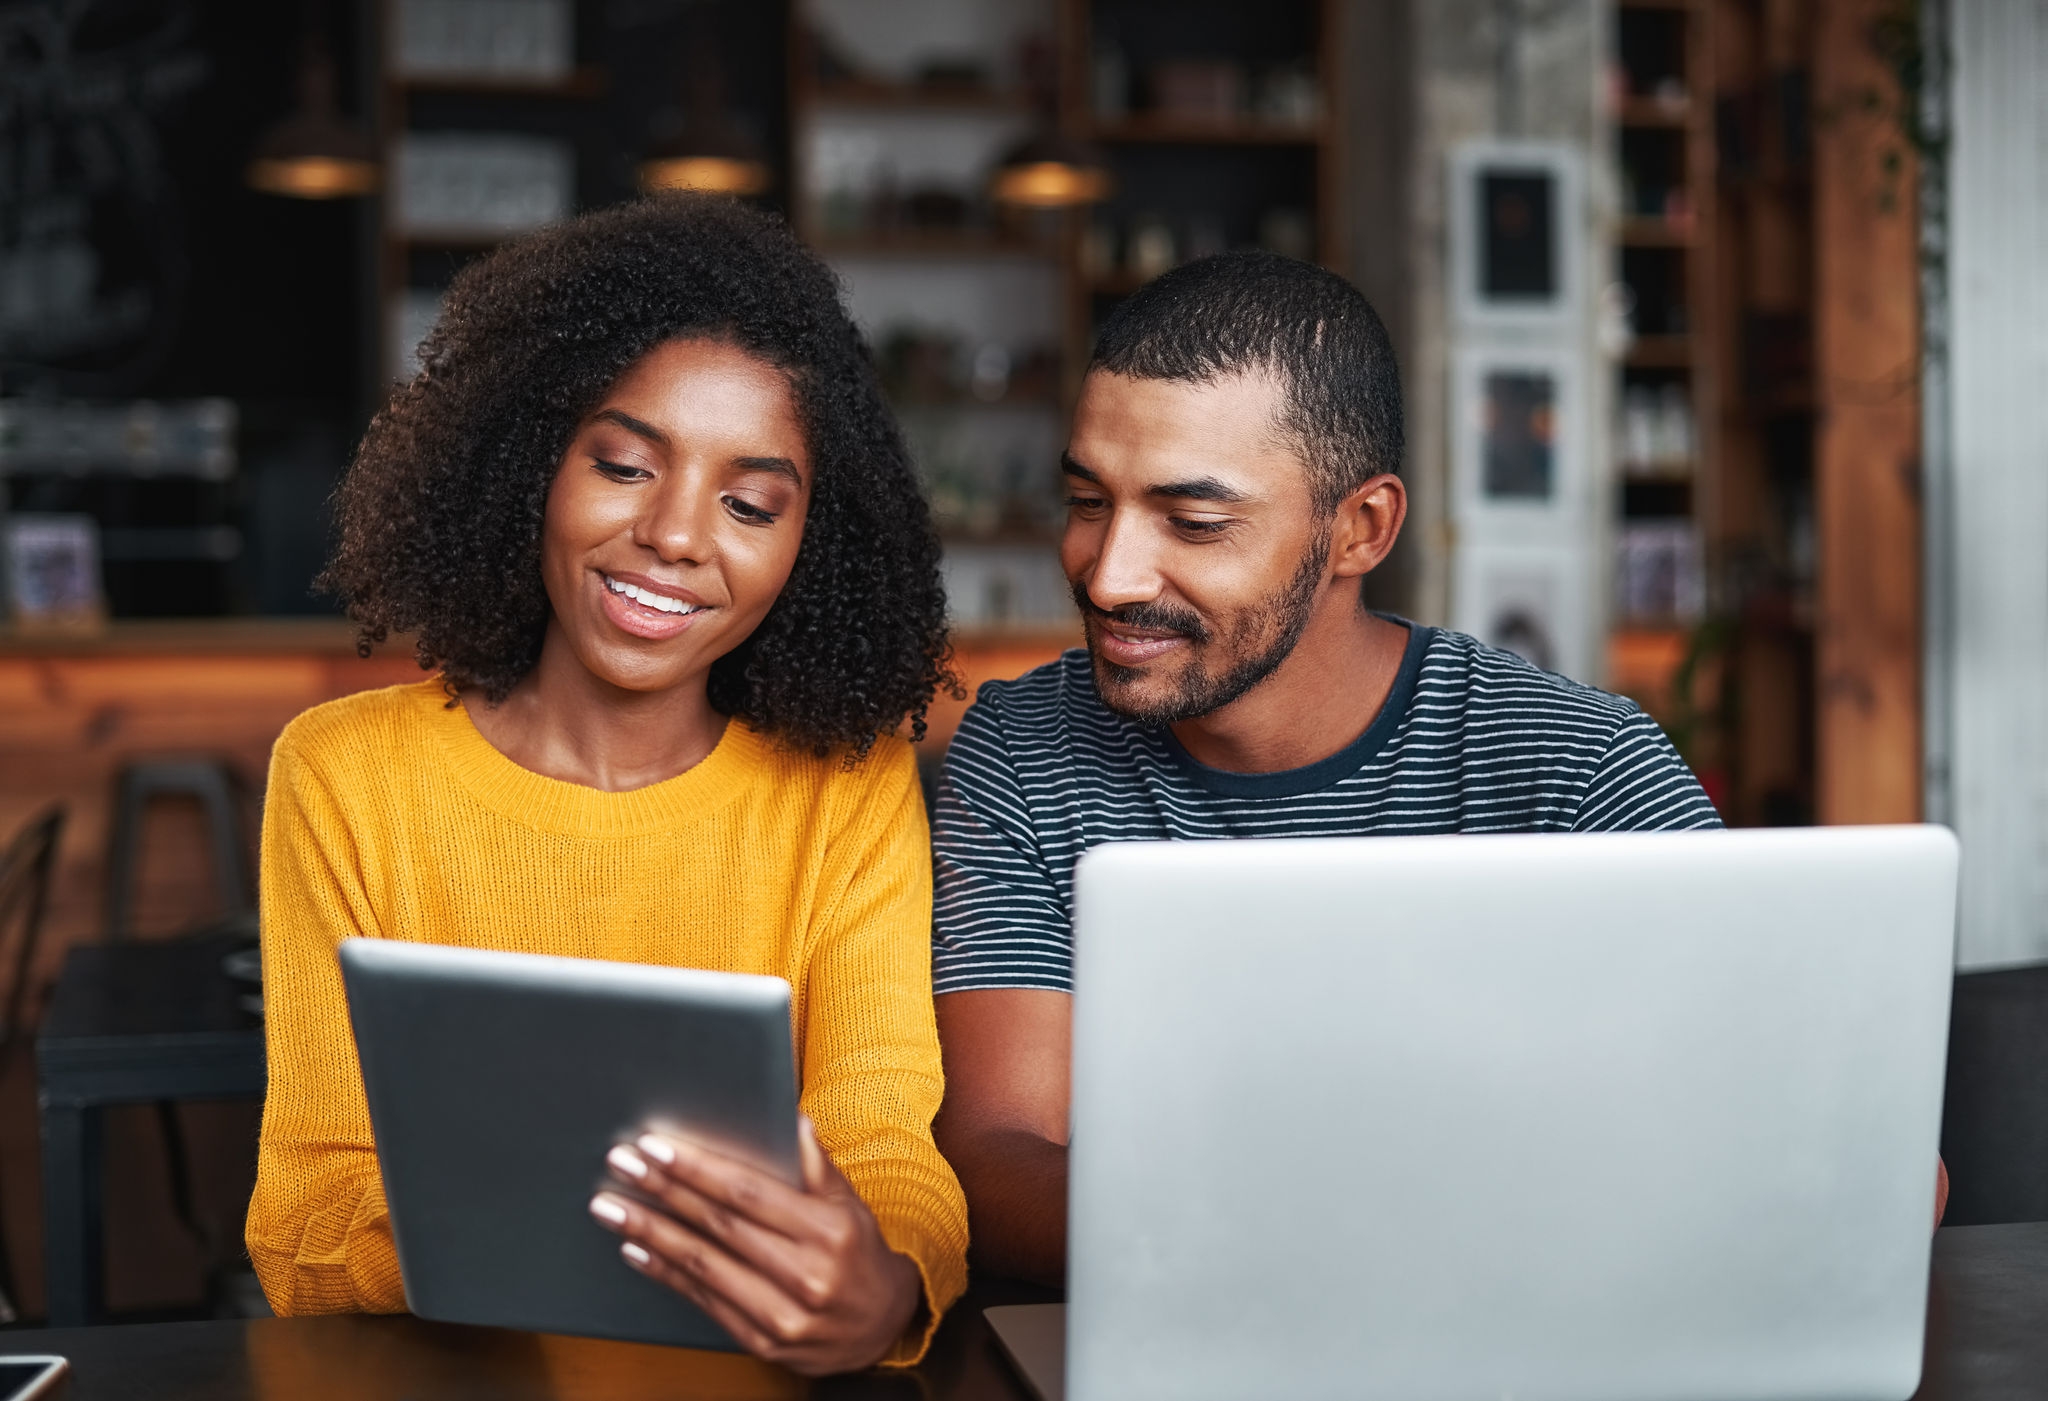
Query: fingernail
x=605 y=1209
x=659 y=1149
x=636 y=1256
x=627 y=1161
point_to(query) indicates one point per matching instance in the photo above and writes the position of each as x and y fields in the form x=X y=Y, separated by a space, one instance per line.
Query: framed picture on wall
x=51 y=568
x=1517 y=235
x=1518 y=443
x=1526 y=599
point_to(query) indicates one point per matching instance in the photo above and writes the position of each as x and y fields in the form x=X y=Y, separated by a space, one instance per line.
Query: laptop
x=1549 y=1118
x=497 y=1082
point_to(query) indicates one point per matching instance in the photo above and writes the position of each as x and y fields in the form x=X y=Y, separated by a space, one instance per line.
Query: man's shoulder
x=1046 y=700
x=1492 y=685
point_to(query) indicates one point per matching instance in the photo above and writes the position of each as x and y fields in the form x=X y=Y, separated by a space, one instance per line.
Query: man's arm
x=1003 y=1125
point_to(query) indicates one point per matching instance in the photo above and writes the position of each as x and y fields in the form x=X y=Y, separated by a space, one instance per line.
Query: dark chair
x=214 y=785
x=1994 y=1131
x=217 y=789
x=25 y=870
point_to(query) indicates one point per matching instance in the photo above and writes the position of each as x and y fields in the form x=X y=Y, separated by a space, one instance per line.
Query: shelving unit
x=414 y=264
x=1735 y=680
x=1251 y=163
x=1668 y=392
x=886 y=189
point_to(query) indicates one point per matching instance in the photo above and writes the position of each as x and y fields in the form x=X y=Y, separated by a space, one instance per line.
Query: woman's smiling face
x=676 y=515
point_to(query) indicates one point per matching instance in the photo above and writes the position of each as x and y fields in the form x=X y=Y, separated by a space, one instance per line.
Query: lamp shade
x=1049 y=171
x=686 y=169
x=315 y=153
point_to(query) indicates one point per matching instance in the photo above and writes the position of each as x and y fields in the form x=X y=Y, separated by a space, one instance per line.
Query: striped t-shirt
x=1470 y=739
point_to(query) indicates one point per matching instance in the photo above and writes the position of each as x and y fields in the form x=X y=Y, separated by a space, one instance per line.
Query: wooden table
x=1986 y=1342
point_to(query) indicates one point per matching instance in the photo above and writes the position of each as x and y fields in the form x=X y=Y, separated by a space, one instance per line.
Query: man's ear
x=1367 y=524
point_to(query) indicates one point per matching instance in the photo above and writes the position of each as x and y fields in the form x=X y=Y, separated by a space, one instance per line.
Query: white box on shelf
x=413 y=313
x=1660 y=576
x=516 y=40
x=1005 y=586
x=482 y=184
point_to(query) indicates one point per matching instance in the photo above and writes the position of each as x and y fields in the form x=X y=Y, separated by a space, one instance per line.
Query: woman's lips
x=643 y=620
x=1134 y=648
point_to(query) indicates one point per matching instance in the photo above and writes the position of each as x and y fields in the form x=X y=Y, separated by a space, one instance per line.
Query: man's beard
x=1256 y=641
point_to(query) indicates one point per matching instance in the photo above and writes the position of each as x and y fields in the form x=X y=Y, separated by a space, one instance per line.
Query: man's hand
x=1003 y=1126
x=799 y=1277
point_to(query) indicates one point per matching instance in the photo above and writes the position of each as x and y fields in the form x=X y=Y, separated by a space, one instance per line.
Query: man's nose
x=1125 y=569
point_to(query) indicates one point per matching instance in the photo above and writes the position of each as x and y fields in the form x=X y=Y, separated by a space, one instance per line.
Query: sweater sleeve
x=871 y=1072
x=318 y=1233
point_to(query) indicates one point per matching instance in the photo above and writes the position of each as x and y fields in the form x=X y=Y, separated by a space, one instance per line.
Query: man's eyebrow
x=1198 y=489
x=779 y=466
x=631 y=425
x=1187 y=489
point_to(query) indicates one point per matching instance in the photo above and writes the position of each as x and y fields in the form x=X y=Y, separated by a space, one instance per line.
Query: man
x=1232 y=478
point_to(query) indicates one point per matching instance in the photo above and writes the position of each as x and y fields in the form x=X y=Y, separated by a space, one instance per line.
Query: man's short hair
x=1246 y=312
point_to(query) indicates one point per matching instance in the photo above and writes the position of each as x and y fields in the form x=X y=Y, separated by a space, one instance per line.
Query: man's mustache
x=1157 y=617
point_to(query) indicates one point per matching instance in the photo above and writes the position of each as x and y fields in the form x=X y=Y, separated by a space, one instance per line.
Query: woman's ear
x=1367 y=524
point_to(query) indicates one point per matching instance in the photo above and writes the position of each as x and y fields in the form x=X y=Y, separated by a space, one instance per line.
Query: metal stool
x=210 y=781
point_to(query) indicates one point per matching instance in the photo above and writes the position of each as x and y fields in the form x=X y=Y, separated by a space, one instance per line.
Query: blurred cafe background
x=1724 y=327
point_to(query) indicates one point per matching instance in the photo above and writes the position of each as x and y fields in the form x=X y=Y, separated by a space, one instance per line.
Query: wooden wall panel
x=1867 y=455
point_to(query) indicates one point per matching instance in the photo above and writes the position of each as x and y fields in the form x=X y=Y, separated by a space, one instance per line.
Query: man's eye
x=748 y=511
x=1083 y=503
x=1193 y=527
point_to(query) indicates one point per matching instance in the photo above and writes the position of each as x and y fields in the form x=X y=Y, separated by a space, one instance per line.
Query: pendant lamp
x=315 y=153
x=709 y=153
x=1050 y=171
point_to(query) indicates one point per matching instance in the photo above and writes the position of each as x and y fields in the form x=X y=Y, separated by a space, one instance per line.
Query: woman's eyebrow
x=779 y=466
x=631 y=425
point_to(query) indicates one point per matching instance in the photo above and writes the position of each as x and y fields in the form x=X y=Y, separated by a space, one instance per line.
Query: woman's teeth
x=647 y=598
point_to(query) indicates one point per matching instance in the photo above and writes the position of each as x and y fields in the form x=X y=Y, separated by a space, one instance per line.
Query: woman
x=645 y=513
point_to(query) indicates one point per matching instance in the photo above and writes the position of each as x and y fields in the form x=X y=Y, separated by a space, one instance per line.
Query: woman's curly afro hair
x=440 y=514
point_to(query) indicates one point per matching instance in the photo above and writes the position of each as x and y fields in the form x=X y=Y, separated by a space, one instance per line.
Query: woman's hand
x=799 y=1277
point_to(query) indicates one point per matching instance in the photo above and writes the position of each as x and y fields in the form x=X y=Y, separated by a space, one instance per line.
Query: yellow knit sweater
x=390 y=816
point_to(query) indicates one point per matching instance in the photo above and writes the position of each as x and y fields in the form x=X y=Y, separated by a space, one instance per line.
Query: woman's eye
x=749 y=512
x=619 y=472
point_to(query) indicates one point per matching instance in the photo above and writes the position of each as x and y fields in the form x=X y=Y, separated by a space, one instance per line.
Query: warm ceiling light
x=1051 y=172
x=315 y=153
x=725 y=175
x=313 y=177
x=711 y=153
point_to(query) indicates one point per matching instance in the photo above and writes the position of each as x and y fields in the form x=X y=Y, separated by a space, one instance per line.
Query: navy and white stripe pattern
x=1471 y=739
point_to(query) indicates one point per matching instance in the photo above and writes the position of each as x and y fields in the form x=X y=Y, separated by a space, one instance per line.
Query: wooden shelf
x=1116 y=284
x=455 y=241
x=1001 y=535
x=907 y=403
x=1640 y=231
x=1651 y=112
x=931 y=243
x=584 y=82
x=1659 y=473
x=1660 y=353
x=924 y=97
x=1148 y=128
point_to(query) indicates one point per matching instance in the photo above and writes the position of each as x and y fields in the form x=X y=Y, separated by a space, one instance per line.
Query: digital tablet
x=497 y=1082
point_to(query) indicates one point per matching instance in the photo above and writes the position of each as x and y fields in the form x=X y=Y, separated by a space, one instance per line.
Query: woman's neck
x=562 y=722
